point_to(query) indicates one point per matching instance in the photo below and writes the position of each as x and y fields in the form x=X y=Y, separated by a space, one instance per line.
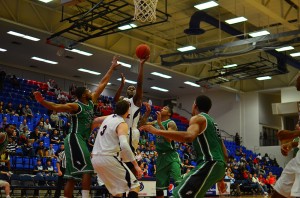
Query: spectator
x=35 y=135
x=41 y=150
x=4 y=161
x=237 y=139
x=24 y=125
x=9 y=109
x=54 y=119
x=19 y=110
x=1 y=109
x=47 y=126
x=262 y=187
x=55 y=139
x=3 y=123
x=11 y=146
x=41 y=128
x=27 y=111
x=49 y=170
x=38 y=168
x=51 y=151
x=28 y=150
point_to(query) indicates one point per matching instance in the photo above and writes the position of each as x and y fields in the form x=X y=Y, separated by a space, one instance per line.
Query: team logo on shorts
x=141 y=186
x=171 y=188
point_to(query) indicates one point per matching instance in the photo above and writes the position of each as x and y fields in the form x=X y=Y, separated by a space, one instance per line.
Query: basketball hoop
x=145 y=10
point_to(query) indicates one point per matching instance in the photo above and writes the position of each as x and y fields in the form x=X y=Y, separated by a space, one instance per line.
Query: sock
x=85 y=193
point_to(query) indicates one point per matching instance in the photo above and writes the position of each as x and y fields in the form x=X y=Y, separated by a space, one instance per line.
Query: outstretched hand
x=148 y=106
x=114 y=62
x=142 y=61
x=149 y=128
x=38 y=96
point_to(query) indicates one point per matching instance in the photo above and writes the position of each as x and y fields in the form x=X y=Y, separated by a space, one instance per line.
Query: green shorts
x=200 y=179
x=77 y=157
x=167 y=166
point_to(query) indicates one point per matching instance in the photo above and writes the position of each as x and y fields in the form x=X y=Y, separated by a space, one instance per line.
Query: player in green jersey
x=77 y=154
x=168 y=161
x=211 y=152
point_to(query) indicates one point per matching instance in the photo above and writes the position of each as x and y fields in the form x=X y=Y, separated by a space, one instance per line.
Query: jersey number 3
x=103 y=130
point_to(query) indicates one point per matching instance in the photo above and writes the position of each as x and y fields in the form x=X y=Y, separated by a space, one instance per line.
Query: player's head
x=83 y=93
x=130 y=91
x=298 y=83
x=202 y=104
x=122 y=108
x=166 y=111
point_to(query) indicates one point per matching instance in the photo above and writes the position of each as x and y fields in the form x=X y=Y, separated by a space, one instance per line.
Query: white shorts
x=288 y=183
x=116 y=176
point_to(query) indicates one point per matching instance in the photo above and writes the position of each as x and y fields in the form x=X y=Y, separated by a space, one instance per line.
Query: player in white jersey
x=288 y=184
x=113 y=137
x=134 y=97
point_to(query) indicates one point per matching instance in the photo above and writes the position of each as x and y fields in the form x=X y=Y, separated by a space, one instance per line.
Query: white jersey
x=132 y=121
x=107 y=140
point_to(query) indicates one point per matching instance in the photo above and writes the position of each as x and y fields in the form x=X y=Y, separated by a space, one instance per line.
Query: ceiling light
x=46 y=1
x=23 y=36
x=191 y=84
x=128 y=81
x=264 y=78
x=203 y=6
x=260 y=33
x=124 y=64
x=187 y=48
x=3 y=50
x=44 y=60
x=109 y=83
x=159 y=89
x=286 y=48
x=295 y=54
x=80 y=52
x=161 y=75
x=231 y=65
x=126 y=27
x=236 y=20
x=89 y=71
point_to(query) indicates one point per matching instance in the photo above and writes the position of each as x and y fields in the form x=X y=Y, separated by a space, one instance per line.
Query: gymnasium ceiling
x=219 y=45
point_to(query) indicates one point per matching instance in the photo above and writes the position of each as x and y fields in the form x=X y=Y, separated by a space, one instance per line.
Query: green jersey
x=81 y=121
x=162 y=144
x=208 y=145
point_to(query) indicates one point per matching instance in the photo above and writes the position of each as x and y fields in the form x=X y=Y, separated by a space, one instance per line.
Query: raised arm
x=196 y=127
x=118 y=93
x=138 y=97
x=69 y=107
x=146 y=115
x=105 y=79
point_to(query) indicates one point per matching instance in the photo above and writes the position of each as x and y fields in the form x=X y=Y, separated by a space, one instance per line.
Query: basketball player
x=168 y=161
x=207 y=142
x=134 y=97
x=77 y=154
x=113 y=137
x=288 y=184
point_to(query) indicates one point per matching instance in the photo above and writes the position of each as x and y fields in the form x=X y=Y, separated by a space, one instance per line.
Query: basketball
x=142 y=51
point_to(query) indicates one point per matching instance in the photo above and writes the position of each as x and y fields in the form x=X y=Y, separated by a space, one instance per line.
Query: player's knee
x=132 y=194
x=159 y=193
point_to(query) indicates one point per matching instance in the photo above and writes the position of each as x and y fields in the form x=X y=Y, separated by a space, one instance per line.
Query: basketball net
x=145 y=10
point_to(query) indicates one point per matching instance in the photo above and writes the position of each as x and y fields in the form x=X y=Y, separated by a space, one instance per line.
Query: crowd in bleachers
x=38 y=135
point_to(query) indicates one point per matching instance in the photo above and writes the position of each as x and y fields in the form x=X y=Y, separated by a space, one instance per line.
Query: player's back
x=107 y=140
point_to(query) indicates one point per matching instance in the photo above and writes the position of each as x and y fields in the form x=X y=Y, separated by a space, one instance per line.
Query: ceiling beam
x=260 y=7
